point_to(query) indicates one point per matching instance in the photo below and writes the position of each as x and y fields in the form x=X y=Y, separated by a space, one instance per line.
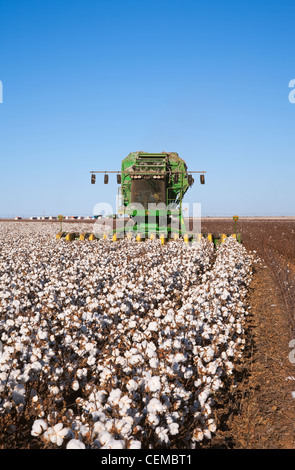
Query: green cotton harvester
x=152 y=187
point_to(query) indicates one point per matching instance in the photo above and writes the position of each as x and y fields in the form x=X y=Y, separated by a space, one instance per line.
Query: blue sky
x=87 y=82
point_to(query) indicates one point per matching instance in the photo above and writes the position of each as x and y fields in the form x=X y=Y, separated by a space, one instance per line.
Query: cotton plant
x=138 y=337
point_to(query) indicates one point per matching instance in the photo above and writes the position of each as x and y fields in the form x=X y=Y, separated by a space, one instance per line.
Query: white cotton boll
x=35 y=399
x=154 y=406
x=230 y=352
x=37 y=366
x=137 y=337
x=104 y=437
x=179 y=357
x=132 y=385
x=68 y=339
x=114 y=444
x=75 y=385
x=7 y=405
x=59 y=371
x=153 y=419
x=229 y=367
x=212 y=367
x=98 y=415
x=121 y=361
x=81 y=372
x=177 y=344
x=25 y=377
x=33 y=358
x=135 y=359
x=151 y=347
x=216 y=384
x=133 y=444
x=124 y=402
x=106 y=373
x=211 y=425
x=19 y=347
x=89 y=346
x=207 y=433
x=115 y=396
x=154 y=363
x=162 y=434
x=198 y=435
x=4 y=337
x=38 y=427
x=173 y=428
x=10 y=349
x=42 y=334
x=208 y=354
x=150 y=352
x=154 y=384
x=16 y=304
x=153 y=326
x=203 y=396
x=239 y=329
x=109 y=424
x=75 y=444
x=224 y=355
x=56 y=434
x=188 y=373
x=100 y=397
x=84 y=430
x=3 y=376
x=98 y=427
x=91 y=360
x=124 y=426
x=207 y=409
x=168 y=318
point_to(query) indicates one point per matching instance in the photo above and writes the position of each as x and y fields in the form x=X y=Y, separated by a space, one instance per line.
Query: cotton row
x=118 y=344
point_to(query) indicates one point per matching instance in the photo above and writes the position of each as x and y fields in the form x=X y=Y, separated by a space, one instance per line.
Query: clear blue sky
x=87 y=82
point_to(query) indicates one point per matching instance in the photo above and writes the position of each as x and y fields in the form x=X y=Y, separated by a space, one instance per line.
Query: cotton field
x=114 y=345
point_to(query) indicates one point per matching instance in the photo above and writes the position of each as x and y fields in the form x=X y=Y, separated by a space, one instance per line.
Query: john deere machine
x=152 y=187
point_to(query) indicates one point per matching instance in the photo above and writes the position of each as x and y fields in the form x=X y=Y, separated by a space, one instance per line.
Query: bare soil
x=260 y=413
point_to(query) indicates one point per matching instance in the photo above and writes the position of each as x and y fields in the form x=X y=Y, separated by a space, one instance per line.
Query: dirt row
x=261 y=411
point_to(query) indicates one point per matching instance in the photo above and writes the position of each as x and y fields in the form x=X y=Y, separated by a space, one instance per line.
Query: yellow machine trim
x=70 y=236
